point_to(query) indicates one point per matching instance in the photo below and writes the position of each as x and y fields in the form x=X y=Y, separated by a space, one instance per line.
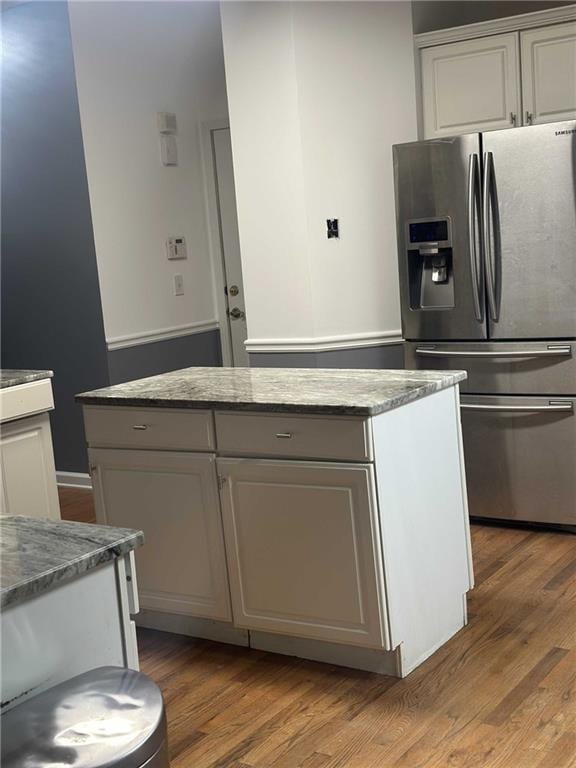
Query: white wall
x=134 y=59
x=318 y=93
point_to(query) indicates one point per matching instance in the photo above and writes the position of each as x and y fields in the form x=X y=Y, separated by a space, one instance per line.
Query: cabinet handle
x=513 y=118
x=529 y=118
x=140 y=426
x=284 y=435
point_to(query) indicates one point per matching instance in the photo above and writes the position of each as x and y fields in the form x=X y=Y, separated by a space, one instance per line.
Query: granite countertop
x=38 y=554
x=356 y=392
x=11 y=377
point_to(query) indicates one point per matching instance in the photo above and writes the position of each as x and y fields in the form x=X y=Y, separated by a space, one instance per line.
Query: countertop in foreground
x=11 y=377
x=37 y=554
x=355 y=392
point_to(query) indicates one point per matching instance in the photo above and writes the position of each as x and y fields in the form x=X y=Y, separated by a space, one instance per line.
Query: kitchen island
x=67 y=592
x=319 y=513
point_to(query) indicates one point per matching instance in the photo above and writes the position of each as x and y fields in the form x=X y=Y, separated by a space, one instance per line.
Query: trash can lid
x=105 y=718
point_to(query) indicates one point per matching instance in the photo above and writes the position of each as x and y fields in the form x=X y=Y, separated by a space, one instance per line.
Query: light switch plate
x=168 y=149
x=178 y=285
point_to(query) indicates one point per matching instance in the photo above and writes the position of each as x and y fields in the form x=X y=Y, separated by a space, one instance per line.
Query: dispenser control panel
x=424 y=231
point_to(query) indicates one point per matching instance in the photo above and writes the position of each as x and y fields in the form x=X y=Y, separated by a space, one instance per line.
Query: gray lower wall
x=159 y=357
x=50 y=297
x=385 y=356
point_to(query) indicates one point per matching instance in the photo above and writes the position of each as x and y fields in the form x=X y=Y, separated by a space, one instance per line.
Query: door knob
x=236 y=314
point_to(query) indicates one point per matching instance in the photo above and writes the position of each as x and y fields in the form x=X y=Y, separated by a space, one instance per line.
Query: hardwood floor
x=501 y=694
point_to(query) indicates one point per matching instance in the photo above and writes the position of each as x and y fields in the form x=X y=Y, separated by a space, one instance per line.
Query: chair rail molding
x=496 y=26
x=162 y=334
x=325 y=343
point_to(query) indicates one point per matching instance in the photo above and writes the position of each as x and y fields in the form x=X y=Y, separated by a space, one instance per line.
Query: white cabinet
x=499 y=81
x=304 y=550
x=28 y=474
x=471 y=86
x=173 y=498
x=549 y=73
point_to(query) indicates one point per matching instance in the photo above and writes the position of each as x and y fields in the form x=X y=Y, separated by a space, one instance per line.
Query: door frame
x=214 y=234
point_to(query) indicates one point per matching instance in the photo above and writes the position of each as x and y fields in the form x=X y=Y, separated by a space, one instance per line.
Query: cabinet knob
x=513 y=118
x=140 y=426
x=284 y=435
x=529 y=118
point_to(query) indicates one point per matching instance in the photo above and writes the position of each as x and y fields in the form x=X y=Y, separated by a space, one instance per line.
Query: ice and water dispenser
x=430 y=264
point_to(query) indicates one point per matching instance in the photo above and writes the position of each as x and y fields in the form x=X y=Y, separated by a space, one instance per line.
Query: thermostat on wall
x=176 y=248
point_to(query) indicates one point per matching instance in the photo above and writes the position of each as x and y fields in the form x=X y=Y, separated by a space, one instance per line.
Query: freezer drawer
x=520 y=455
x=502 y=368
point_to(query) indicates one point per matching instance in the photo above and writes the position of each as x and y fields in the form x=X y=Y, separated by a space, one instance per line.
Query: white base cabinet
x=310 y=555
x=173 y=498
x=304 y=549
x=28 y=474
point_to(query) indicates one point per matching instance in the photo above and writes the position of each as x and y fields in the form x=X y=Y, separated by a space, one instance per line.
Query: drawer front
x=314 y=437
x=160 y=428
x=26 y=399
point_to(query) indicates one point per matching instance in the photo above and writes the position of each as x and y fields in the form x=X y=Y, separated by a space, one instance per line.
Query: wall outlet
x=332 y=228
x=178 y=285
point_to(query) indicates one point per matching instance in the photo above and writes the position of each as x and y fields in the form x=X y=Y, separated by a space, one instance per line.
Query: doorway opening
x=226 y=246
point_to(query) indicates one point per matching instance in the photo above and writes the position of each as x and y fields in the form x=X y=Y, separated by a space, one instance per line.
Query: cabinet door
x=173 y=498
x=549 y=73
x=303 y=549
x=28 y=474
x=471 y=86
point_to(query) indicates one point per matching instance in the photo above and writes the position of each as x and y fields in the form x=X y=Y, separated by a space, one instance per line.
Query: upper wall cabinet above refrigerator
x=549 y=73
x=471 y=86
x=499 y=81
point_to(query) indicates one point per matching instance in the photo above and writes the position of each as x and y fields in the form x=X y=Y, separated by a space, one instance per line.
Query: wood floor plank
x=518 y=694
x=500 y=694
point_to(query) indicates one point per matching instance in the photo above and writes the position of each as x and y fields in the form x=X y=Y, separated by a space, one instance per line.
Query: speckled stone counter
x=300 y=390
x=11 y=377
x=38 y=554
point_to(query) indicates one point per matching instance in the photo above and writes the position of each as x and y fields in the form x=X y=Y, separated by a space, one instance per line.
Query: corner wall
x=318 y=94
x=50 y=302
x=133 y=60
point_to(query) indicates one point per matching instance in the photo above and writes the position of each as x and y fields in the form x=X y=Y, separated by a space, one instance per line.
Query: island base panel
x=74 y=627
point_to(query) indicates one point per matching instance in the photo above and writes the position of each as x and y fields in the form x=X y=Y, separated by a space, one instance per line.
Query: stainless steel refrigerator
x=487 y=258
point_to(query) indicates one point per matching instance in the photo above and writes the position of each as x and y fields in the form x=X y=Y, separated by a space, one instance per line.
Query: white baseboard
x=74 y=480
x=367 y=659
x=208 y=629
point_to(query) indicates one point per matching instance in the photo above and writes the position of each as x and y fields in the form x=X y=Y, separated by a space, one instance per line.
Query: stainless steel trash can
x=106 y=718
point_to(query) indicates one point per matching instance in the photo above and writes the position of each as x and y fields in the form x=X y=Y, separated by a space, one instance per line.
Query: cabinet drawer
x=314 y=437
x=168 y=429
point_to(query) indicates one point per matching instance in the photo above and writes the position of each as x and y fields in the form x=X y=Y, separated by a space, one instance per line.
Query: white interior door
x=549 y=73
x=230 y=244
x=471 y=86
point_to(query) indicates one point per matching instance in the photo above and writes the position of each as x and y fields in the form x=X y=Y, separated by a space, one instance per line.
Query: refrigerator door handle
x=488 y=253
x=552 y=351
x=473 y=214
x=554 y=406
